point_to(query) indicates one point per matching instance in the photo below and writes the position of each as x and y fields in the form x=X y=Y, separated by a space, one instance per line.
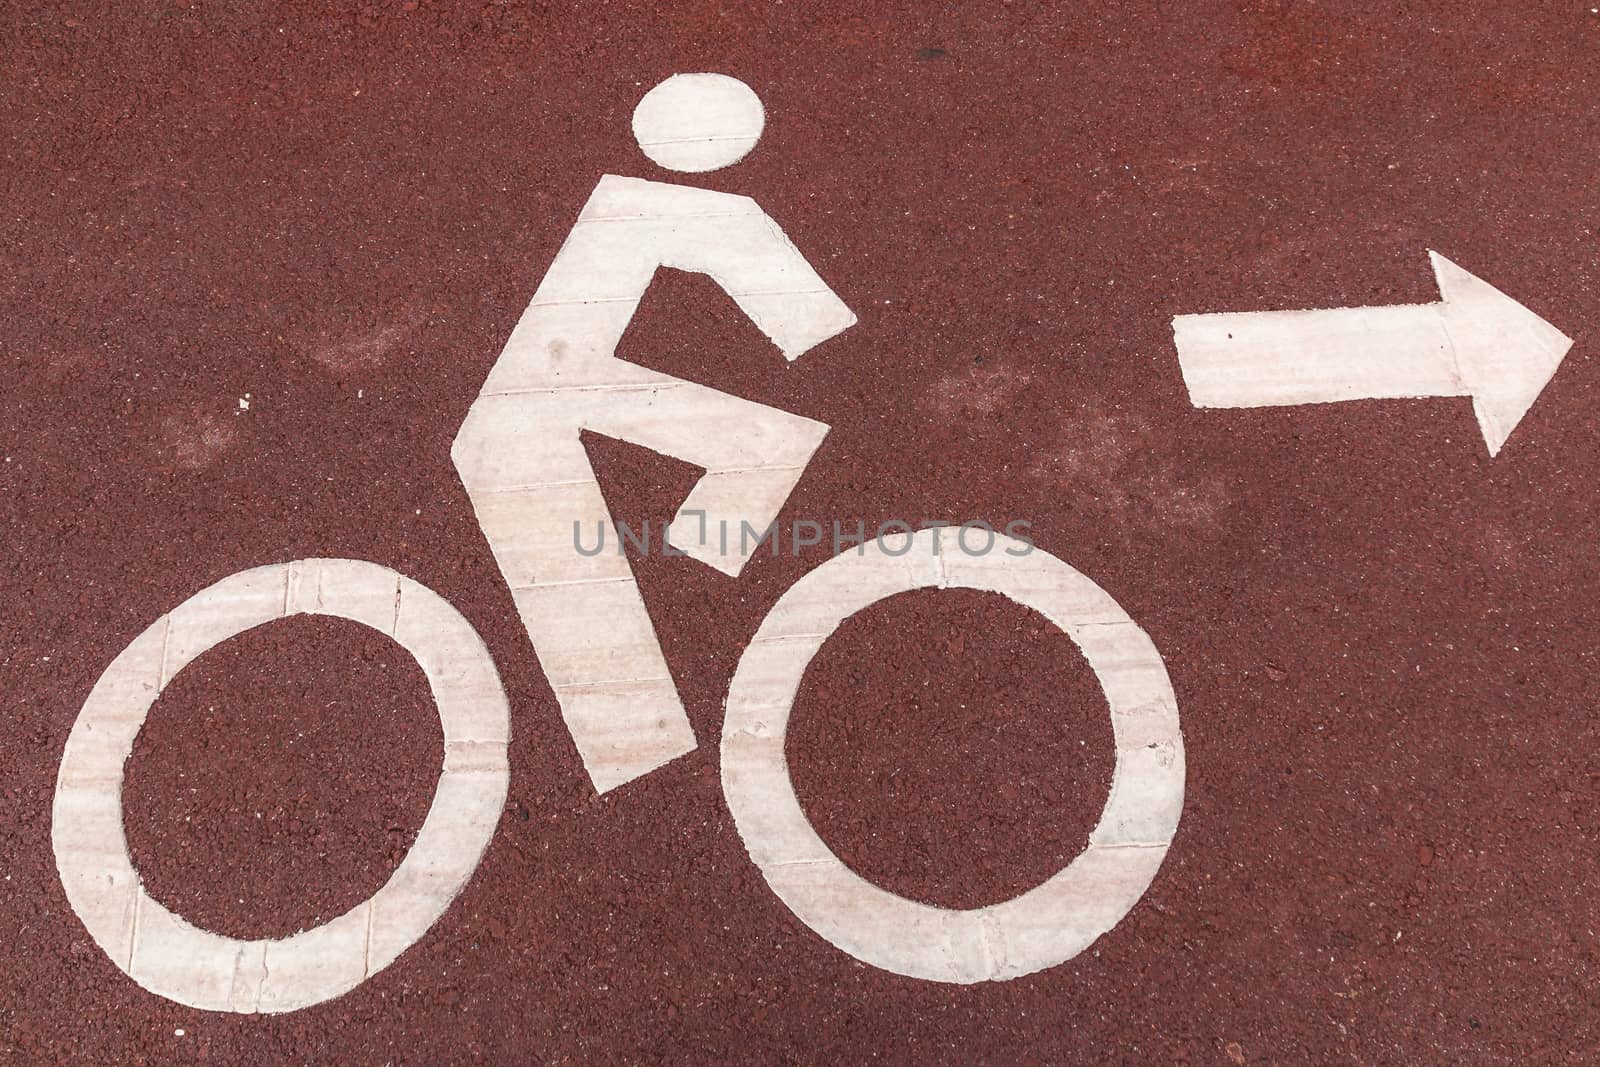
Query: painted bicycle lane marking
x=525 y=469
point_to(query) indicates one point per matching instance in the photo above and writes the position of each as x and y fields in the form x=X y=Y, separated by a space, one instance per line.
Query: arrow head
x=1504 y=353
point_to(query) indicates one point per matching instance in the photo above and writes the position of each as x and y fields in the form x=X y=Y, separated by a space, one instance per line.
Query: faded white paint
x=1040 y=928
x=181 y=962
x=698 y=122
x=1476 y=342
x=529 y=477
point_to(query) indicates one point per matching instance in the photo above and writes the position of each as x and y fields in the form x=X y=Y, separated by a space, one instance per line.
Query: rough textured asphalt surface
x=1382 y=641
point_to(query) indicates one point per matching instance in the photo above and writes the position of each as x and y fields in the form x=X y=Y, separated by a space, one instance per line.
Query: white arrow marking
x=1476 y=342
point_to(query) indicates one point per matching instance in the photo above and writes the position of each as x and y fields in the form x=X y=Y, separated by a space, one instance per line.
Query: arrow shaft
x=1269 y=358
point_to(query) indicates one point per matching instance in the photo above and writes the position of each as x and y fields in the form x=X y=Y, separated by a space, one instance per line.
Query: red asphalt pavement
x=1382 y=642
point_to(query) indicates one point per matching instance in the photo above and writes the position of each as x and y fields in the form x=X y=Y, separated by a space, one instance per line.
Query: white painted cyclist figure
x=529 y=477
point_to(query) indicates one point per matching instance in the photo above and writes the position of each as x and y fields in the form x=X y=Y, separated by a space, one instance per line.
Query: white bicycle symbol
x=529 y=479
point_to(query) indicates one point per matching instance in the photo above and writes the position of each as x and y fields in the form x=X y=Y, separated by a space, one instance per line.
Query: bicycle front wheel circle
x=1042 y=927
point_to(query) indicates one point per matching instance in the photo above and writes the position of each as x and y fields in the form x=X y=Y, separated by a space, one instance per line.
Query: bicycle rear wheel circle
x=174 y=959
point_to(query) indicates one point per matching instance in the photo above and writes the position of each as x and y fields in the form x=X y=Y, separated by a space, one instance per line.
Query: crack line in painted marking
x=166 y=637
x=1450 y=349
x=805 y=863
x=537 y=303
x=985 y=919
x=608 y=681
x=366 y=951
x=133 y=937
x=703 y=139
x=261 y=986
x=530 y=586
x=666 y=218
x=530 y=485
x=618 y=387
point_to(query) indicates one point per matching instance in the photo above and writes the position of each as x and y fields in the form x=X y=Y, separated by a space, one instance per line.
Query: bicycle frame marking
x=181 y=962
x=1040 y=928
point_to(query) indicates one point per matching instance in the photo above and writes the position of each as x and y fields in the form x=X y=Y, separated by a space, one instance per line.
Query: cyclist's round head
x=698 y=122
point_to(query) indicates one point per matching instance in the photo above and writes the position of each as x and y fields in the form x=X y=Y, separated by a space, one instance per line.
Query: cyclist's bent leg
x=753 y=455
x=551 y=533
x=547 y=523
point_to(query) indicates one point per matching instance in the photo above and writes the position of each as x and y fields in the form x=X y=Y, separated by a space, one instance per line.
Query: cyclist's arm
x=732 y=240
